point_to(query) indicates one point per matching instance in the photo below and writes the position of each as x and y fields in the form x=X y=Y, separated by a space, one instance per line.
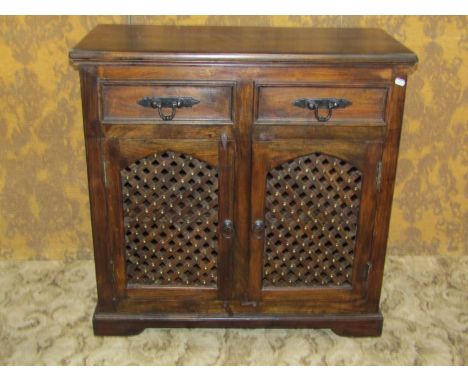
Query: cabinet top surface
x=244 y=44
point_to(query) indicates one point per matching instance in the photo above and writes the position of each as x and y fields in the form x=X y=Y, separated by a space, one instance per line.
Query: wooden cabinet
x=240 y=177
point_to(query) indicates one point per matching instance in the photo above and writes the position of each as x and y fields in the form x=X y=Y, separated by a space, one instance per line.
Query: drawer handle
x=322 y=103
x=173 y=103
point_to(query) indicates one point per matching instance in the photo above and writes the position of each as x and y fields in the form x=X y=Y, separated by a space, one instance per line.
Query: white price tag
x=400 y=81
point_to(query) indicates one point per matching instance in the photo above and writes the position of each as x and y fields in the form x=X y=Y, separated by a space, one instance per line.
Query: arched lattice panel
x=312 y=210
x=170 y=203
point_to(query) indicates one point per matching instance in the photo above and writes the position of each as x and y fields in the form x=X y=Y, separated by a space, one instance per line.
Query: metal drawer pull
x=322 y=103
x=173 y=103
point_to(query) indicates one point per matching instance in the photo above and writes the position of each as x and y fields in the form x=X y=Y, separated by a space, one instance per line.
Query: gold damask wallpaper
x=44 y=210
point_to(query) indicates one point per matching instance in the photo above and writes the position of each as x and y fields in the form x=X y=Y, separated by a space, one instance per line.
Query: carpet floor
x=46 y=309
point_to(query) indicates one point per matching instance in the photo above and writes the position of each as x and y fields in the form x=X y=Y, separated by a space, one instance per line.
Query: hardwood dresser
x=240 y=177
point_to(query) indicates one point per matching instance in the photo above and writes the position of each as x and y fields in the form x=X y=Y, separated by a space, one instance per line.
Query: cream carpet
x=46 y=309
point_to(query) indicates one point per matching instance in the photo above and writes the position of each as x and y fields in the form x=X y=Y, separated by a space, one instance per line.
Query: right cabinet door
x=313 y=204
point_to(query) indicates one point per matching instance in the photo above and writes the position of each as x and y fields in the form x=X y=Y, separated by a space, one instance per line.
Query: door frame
x=269 y=154
x=120 y=152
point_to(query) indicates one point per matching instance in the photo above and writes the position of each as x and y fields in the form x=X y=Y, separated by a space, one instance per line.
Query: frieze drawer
x=166 y=102
x=334 y=104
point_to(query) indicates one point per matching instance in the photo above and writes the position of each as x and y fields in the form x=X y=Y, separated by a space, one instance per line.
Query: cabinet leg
x=359 y=329
x=110 y=325
x=106 y=328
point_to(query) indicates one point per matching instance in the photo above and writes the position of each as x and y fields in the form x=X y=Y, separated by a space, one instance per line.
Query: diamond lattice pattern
x=170 y=205
x=312 y=208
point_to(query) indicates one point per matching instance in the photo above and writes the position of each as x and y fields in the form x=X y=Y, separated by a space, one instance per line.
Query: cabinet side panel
x=394 y=119
x=97 y=187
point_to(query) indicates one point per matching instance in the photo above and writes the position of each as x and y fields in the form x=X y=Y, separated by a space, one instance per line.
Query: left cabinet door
x=170 y=218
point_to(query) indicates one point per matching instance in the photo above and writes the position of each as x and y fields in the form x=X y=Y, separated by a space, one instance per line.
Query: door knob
x=259 y=225
x=227 y=229
x=258 y=228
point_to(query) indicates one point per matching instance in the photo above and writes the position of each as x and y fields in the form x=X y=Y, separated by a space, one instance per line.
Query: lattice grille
x=171 y=216
x=312 y=208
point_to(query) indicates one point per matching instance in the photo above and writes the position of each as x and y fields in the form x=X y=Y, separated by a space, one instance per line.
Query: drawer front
x=359 y=104
x=131 y=102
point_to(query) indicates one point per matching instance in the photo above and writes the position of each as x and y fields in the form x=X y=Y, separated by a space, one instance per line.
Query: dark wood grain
x=275 y=103
x=312 y=211
x=119 y=102
x=97 y=189
x=246 y=133
x=385 y=197
x=121 y=324
x=242 y=212
x=143 y=42
x=346 y=73
x=180 y=253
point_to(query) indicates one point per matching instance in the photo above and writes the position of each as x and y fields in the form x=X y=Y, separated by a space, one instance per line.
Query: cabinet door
x=313 y=206
x=170 y=218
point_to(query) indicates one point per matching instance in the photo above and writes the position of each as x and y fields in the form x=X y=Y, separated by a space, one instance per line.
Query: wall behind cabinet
x=44 y=211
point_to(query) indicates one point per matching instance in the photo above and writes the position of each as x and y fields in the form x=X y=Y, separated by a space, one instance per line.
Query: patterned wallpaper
x=44 y=210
